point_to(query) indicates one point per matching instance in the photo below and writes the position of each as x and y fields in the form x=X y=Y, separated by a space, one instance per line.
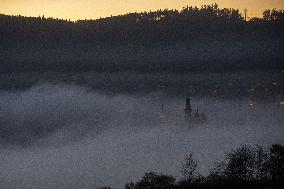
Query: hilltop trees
x=208 y=38
x=244 y=167
x=274 y=15
x=169 y=25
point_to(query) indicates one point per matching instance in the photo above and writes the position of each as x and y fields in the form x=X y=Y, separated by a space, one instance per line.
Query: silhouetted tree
x=261 y=164
x=276 y=166
x=245 y=167
x=274 y=15
x=241 y=163
x=188 y=169
x=130 y=185
x=153 y=180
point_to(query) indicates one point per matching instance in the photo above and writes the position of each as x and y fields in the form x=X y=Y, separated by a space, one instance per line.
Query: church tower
x=187 y=110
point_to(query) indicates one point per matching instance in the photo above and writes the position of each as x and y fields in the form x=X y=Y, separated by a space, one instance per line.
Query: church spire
x=188 y=109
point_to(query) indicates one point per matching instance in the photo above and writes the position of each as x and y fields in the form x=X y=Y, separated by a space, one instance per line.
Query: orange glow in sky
x=91 y=9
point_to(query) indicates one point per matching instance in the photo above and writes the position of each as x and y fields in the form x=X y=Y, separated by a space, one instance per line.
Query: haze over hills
x=191 y=40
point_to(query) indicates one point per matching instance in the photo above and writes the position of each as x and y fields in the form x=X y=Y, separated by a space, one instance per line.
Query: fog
x=67 y=136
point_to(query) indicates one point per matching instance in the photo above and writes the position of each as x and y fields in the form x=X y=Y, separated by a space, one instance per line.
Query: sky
x=92 y=9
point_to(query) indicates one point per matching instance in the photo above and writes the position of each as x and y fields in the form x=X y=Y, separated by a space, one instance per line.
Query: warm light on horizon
x=92 y=9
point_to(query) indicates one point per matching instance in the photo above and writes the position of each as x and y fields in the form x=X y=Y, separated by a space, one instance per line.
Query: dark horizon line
x=74 y=21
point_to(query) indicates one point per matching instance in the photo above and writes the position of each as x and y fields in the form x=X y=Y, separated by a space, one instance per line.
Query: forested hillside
x=193 y=39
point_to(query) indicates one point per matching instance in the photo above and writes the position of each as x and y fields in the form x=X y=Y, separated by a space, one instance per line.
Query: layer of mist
x=266 y=86
x=65 y=136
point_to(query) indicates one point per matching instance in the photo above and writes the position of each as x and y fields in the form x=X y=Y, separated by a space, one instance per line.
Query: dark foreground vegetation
x=193 y=39
x=245 y=167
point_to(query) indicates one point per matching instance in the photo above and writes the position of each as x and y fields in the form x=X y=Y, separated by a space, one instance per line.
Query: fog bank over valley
x=65 y=136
